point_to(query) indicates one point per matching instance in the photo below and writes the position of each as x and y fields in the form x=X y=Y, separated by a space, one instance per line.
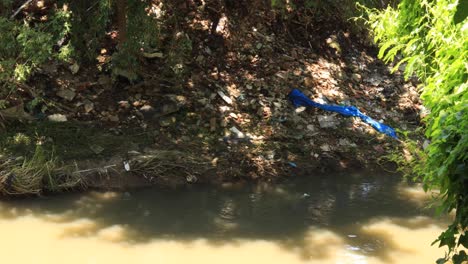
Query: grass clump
x=34 y=175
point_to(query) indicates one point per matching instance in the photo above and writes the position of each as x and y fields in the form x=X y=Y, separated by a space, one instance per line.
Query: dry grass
x=167 y=163
x=35 y=175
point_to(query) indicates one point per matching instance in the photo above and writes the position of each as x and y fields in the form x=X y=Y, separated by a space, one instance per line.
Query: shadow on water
x=295 y=214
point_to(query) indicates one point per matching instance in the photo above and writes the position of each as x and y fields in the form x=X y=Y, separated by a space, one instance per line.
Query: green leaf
x=463 y=240
x=460 y=257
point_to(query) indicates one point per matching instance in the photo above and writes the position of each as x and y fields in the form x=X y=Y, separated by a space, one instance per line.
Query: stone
x=300 y=109
x=114 y=118
x=57 y=118
x=327 y=121
x=104 y=80
x=96 y=149
x=88 y=106
x=356 y=77
x=325 y=147
x=346 y=143
x=311 y=128
x=124 y=104
x=167 y=121
x=223 y=123
x=74 y=68
x=213 y=124
x=169 y=108
x=66 y=94
x=147 y=108
x=426 y=144
x=200 y=59
x=237 y=132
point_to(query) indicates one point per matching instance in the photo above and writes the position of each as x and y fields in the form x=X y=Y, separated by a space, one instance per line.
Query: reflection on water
x=326 y=219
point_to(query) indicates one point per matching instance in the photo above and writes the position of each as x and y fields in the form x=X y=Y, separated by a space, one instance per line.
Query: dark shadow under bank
x=98 y=155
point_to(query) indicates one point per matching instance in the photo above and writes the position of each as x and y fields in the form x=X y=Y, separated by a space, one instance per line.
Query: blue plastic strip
x=299 y=99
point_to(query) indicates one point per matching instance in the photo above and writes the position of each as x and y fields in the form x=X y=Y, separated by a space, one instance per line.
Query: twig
x=95 y=169
x=21 y=8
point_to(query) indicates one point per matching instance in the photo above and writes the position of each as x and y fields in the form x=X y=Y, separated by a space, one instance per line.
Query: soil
x=222 y=114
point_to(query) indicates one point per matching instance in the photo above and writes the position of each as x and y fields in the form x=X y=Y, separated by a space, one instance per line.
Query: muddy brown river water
x=319 y=219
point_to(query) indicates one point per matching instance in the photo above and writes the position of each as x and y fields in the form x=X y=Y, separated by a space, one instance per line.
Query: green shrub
x=435 y=48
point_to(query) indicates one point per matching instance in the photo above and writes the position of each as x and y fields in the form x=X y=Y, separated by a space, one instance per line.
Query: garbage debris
x=226 y=98
x=237 y=132
x=126 y=165
x=299 y=99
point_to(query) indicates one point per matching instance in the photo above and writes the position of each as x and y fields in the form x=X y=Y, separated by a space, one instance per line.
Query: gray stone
x=88 y=106
x=167 y=121
x=66 y=94
x=325 y=147
x=96 y=149
x=113 y=118
x=57 y=118
x=346 y=143
x=356 y=77
x=169 y=108
x=327 y=121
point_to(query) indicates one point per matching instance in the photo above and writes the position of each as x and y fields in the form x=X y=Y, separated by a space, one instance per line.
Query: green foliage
x=435 y=48
x=142 y=34
x=89 y=24
x=337 y=9
x=25 y=46
x=75 y=30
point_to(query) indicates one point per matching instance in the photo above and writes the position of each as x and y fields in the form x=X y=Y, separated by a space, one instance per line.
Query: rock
x=325 y=147
x=66 y=94
x=88 y=106
x=311 y=128
x=200 y=59
x=300 y=109
x=213 y=124
x=124 y=104
x=356 y=77
x=223 y=123
x=309 y=82
x=57 y=118
x=147 y=108
x=426 y=144
x=167 y=121
x=96 y=149
x=74 y=68
x=346 y=143
x=169 y=108
x=14 y=113
x=114 y=118
x=237 y=132
x=104 y=80
x=203 y=101
x=326 y=121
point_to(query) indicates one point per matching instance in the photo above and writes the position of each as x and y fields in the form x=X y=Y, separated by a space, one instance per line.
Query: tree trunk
x=122 y=20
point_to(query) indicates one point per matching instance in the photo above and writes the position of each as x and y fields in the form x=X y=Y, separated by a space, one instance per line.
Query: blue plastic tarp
x=299 y=99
